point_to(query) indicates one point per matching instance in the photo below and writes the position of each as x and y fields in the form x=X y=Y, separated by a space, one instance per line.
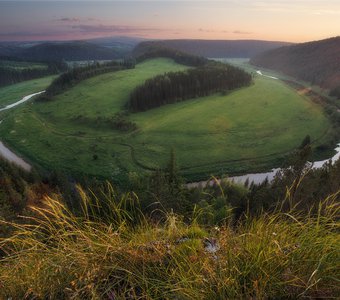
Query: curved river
x=257 y=178
x=7 y=153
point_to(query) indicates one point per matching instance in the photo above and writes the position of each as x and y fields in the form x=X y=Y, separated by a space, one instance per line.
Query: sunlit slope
x=244 y=129
x=249 y=129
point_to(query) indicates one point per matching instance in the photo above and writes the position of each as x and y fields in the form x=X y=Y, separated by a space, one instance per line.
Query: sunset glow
x=289 y=20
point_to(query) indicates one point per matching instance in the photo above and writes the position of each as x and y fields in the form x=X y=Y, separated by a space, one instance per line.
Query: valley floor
x=251 y=129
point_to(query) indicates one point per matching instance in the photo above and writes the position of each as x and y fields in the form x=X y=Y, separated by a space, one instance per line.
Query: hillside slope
x=77 y=130
x=214 y=48
x=317 y=62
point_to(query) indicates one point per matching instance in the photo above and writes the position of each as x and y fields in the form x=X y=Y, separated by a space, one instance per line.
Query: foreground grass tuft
x=121 y=254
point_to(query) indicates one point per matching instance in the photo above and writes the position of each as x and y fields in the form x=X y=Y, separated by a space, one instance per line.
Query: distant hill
x=317 y=62
x=8 y=50
x=55 y=51
x=214 y=48
x=68 y=51
x=123 y=42
x=98 y=48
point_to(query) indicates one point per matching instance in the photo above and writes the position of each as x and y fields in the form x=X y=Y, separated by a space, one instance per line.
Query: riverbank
x=5 y=152
x=24 y=99
x=258 y=178
x=13 y=158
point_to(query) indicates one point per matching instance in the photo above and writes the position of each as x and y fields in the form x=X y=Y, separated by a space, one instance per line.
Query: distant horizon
x=293 y=21
x=155 y=39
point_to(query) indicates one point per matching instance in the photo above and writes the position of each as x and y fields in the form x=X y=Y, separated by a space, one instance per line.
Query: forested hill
x=317 y=62
x=69 y=51
x=56 y=51
x=214 y=48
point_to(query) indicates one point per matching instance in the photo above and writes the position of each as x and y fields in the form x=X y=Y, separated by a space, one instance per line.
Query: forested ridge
x=178 y=86
x=317 y=62
x=153 y=51
x=56 y=51
x=213 y=48
x=11 y=75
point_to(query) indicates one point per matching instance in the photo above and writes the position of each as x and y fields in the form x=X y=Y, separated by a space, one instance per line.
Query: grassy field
x=12 y=93
x=250 y=129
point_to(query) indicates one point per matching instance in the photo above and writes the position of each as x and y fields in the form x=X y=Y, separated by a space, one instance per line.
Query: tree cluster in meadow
x=119 y=122
x=11 y=75
x=179 y=86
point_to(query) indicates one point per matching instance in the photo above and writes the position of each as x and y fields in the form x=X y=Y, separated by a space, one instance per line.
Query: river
x=24 y=99
x=7 y=153
x=13 y=158
x=258 y=178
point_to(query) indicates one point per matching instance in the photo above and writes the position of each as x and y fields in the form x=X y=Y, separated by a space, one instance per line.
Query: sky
x=277 y=20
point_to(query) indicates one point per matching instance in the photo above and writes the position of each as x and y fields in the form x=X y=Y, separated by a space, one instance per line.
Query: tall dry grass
x=114 y=252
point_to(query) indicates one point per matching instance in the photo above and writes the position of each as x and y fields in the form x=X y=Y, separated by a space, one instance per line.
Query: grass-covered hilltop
x=112 y=208
x=109 y=119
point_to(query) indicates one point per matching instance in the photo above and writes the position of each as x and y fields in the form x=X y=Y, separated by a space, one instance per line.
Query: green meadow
x=250 y=129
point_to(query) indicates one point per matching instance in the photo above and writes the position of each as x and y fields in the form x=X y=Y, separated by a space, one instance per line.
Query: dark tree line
x=76 y=75
x=178 y=86
x=178 y=56
x=10 y=75
x=335 y=92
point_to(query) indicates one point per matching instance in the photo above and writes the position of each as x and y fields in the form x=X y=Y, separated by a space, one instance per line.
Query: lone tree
x=171 y=169
x=300 y=162
x=305 y=142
